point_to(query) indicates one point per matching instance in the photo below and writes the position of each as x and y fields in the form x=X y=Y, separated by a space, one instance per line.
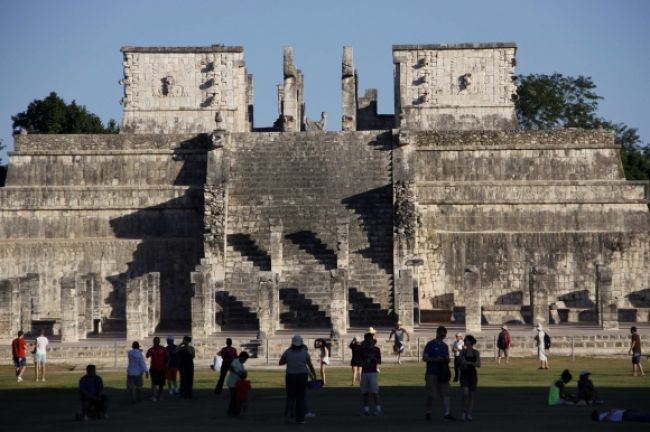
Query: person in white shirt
x=136 y=367
x=457 y=347
x=40 y=355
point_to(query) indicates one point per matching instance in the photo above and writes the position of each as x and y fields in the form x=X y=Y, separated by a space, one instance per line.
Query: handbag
x=217 y=362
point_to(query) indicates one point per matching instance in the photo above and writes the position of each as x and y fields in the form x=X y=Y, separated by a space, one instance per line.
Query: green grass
x=510 y=397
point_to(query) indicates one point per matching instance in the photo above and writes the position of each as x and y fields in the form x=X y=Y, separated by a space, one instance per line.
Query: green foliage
x=555 y=101
x=53 y=116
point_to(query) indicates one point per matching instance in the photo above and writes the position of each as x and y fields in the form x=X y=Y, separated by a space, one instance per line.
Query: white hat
x=539 y=327
x=296 y=341
x=371 y=330
x=504 y=327
x=584 y=372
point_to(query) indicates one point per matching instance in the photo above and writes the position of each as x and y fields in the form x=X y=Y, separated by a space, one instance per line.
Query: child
x=237 y=373
x=558 y=394
x=470 y=359
x=371 y=358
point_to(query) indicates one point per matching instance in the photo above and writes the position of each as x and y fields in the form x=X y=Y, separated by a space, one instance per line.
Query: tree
x=555 y=101
x=53 y=115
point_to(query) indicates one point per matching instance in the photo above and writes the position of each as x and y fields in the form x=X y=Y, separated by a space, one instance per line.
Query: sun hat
x=296 y=341
x=371 y=330
x=504 y=327
x=539 y=327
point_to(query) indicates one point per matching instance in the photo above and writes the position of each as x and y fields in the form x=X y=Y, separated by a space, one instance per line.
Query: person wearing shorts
x=370 y=359
x=134 y=371
x=19 y=354
x=635 y=350
x=158 y=356
x=40 y=355
x=399 y=333
x=436 y=356
x=470 y=360
x=324 y=354
x=171 y=368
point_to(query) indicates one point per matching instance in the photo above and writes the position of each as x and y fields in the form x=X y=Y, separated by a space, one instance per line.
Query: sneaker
x=449 y=417
x=19 y=379
x=310 y=414
x=427 y=416
x=42 y=379
x=463 y=417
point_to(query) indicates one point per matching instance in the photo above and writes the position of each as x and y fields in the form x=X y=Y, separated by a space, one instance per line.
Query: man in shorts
x=41 y=355
x=398 y=346
x=371 y=358
x=19 y=354
x=158 y=356
x=437 y=375
x=635 y=350
x=171 y=368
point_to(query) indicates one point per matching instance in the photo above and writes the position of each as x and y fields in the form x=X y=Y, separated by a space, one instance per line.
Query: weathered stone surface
x=607 y=301
x=539 y=293
x=472 y=284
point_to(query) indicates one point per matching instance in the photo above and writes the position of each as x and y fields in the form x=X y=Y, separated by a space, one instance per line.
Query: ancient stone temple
x=194 y=219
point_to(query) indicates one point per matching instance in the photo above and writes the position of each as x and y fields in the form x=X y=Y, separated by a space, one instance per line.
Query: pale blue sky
x=72 y=46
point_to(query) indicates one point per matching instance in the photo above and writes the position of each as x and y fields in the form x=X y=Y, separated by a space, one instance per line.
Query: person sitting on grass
x=558 y=393
x=91 y=394
x=587 y=393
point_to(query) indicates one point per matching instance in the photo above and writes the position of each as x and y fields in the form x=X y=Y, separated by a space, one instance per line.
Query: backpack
x=547 y=341
x=501 y=341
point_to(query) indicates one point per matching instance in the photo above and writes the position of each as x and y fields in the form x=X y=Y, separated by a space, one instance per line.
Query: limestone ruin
x=194 y=219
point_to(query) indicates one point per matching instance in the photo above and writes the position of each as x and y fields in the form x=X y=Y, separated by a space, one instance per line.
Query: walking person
x=541 y=349
x=470 y=360
x=355 y=362
x=158 y=356
x=19 y=355
x=398 y=346
x=298 y=370
x=456 y=348
x=228 y=354
x=323 y=346
x=371 y=359
x=186 y=356
x=40 y=355
x=503 y=344
x=171 y=368
x=237 y=372
x=135 y=369
x=635 y=350
x=437 y=375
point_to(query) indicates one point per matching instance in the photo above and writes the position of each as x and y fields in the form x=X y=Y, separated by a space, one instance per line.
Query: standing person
x=324 y=354
x=228 y=354
x=355 y=362
x=134 y=371
x=19 y=354
x=470 y=359
x=186 y=356
x=40 y=355
x=541 y=353
x=437 y=375
x=635 y=350
x=171 y=368
x=91 y=394
x=399 y=333
x=158 y=355
x=237 y=372
x=299 y=369
x=456 y=348
x=371 y=358
x=503 y=344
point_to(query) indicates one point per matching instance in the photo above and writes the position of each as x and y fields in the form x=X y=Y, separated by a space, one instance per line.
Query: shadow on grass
x=504 y=409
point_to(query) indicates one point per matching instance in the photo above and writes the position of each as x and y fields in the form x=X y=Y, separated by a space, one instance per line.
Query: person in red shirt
x=635 y=350
x=19 y=354
x=158 y=355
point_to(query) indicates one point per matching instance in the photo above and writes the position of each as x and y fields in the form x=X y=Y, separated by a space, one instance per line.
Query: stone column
x=136 y=310
x=342 y=244
x=404 y=303
x=69 y=310
x=268 y=312
x=276 y=230
x=83 y=293
x=291 y=109
x=538 y=282
x=349 y=90
x=202 y=304
x=9 y=307
x=339 y=306
x=28 y=287
x=472 y=288
x=152 y=282
x=96 y=301
x=607 y=303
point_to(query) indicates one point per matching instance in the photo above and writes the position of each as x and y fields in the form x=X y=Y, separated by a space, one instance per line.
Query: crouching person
x=91 y=394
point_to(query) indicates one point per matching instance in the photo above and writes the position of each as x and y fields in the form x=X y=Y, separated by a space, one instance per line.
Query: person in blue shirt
x=91 y=394
x=437 y=375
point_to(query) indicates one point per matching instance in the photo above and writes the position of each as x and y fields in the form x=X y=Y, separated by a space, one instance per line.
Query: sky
x=73 y=46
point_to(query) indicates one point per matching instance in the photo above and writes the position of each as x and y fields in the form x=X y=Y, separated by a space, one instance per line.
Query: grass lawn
x=510 y=397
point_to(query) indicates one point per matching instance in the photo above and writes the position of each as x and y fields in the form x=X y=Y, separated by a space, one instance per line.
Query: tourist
x=158 y=355
x=586 y=391
x=398 y=346
x=40 y=355
x=186 y=356
x=91 y=394
x=437 y=375
x=470 y=359
x=456 y=348
x=171 y=368
x=19 y=354
x=136 y=367
x=355 y=362
x=228 y=354
x=299 y=369
x=617 y=415
x=237 y=372
x=371 y=358
x=635 y=350
x=503 y=344
x=541 y=353
x=324 y=354
x=558 y=393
